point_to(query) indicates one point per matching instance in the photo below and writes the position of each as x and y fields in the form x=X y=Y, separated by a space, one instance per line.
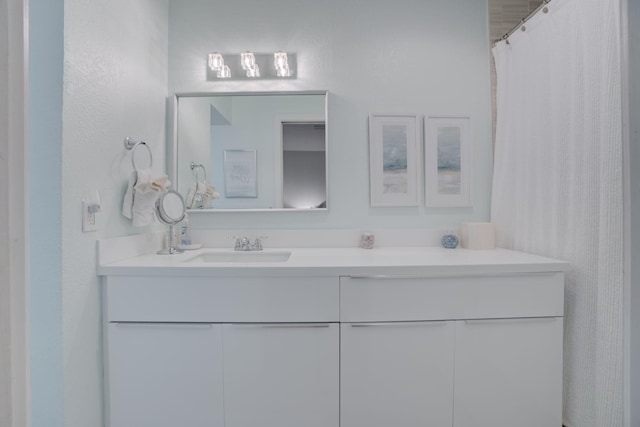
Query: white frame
x=434 y=197
x=246 y=159
x=376 y=160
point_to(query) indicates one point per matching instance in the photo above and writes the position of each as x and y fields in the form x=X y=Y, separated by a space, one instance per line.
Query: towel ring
x=194 y=168
x=131 y=145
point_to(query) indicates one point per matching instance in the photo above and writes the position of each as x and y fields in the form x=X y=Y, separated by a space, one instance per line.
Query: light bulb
x=248 y=60
x=253 y=72
x=280 y=60
x=224 y=72
x=216 y=61
x=283 y=71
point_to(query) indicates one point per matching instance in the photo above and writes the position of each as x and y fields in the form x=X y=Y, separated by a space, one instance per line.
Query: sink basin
x=240 y=257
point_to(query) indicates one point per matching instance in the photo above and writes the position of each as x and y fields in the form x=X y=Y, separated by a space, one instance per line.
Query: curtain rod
x=542 y=6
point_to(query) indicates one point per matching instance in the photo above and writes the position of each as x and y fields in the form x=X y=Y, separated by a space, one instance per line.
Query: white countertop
x=397 y=261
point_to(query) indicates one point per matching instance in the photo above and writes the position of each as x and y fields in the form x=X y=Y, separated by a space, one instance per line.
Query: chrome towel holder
x=131 y=145
x=195 y=168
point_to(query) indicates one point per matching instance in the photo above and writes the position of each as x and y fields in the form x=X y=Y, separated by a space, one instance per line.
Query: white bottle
x=185 y=232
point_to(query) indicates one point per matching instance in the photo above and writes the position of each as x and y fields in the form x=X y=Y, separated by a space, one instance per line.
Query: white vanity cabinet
x=397 y=374
x=395 y=337
x=508 y=369
x=452 y=351
x=165 y=375
x=214 y=352
x=281 y=375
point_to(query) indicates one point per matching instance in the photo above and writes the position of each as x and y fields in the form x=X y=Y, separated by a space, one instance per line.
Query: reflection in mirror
x=304 y=165
x=260 y=150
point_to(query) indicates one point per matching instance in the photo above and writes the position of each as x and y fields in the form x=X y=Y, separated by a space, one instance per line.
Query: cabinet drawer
x=232 y=299
x=374 y=299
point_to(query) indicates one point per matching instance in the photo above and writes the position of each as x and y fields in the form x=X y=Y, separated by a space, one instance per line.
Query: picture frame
x=240 y=172
x=394 y=158
x=447 y=161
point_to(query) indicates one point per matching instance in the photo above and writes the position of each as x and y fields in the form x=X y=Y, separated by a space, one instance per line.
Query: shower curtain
x=558 y=184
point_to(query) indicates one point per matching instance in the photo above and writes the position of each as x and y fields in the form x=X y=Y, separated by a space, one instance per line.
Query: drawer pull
x=281 y=325
x=385 y=277
x=510 y=320
x=442 y=275
x=164 y=325
x=392 y=324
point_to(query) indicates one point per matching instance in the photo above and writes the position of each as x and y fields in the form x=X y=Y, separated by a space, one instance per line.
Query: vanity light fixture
x=255 y=66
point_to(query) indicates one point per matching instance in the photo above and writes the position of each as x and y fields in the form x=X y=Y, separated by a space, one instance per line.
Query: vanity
x=324 y=337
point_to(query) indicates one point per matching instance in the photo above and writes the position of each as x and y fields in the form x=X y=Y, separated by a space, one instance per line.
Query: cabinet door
x=508 y=373
x=281 y=375
x=397 y=374
x=164 y=375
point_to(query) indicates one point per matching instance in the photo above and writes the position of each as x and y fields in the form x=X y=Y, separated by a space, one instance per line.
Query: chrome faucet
x=243 y=244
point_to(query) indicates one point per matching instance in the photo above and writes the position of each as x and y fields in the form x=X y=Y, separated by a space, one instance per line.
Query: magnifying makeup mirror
x=170 y=210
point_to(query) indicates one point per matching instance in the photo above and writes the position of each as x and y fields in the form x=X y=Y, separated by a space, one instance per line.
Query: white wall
x=407 y=56
x=115 y=85
x=634 y=132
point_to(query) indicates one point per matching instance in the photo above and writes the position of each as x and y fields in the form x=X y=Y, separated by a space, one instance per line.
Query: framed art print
x=447 y=162
x=240 y=173
x=393 y=159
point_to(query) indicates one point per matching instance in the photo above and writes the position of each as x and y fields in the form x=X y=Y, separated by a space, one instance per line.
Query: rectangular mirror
x=260 y=151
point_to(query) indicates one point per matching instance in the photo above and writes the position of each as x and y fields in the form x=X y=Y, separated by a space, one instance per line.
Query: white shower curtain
x=558 y=184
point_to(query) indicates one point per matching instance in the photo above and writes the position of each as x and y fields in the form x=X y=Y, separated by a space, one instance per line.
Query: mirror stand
x=171 y=248
x=170 y=210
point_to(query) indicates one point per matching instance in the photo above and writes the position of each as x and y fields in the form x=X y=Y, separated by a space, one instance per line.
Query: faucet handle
x=238 y=244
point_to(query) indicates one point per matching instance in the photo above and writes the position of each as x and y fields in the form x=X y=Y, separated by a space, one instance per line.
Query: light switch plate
x=88 y=218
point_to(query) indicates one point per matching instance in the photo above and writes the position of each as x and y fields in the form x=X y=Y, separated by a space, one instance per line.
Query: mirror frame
x=172 y=145
x=161 y=212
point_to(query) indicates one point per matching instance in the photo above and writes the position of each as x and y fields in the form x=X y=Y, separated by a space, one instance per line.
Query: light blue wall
x=405 y=56
x=45 y=200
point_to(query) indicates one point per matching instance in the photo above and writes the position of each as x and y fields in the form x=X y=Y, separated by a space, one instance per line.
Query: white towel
x=145 y=195
x=190 y=202
x=144 y=200
x=127 y=204
x=136 y=177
